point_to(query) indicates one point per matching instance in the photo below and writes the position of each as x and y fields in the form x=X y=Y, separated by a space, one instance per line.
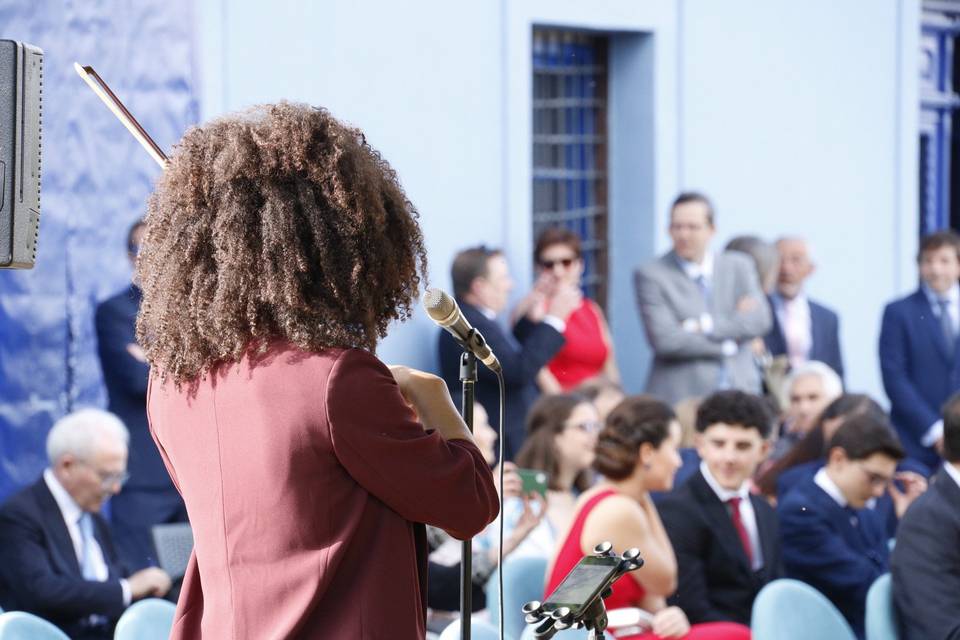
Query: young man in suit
x=700 y=310
x=726 y=539
x=803 y=330
x=57 y=558
x=481 y=286
x=926 y=560
x=918 y=348
x=149 y=497
x=830 y=538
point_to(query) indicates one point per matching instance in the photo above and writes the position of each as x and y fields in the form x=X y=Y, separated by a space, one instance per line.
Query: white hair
x=832 y=384
x=82 y=431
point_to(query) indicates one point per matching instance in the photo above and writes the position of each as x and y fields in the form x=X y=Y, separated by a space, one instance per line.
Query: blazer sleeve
x=24 y=562
x=415 y=472
x=113 y=336
x=742 y=326
x=686 y=532
x=894 y=364
x=539 y=342
x=926 y=584
x=664 y=331
x=816 y=553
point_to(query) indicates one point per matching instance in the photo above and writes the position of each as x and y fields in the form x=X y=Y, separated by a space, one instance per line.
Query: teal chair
x=479 y=630
x=882 y=621
x=150 y=619
x=569 y=634
x=792 y=610
x=19 y=625
x=523 y=581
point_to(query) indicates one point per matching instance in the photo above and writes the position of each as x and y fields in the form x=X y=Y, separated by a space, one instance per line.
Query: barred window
x=570 y=144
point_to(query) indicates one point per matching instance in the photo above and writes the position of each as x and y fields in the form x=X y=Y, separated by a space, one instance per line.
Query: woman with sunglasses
x=588 y=350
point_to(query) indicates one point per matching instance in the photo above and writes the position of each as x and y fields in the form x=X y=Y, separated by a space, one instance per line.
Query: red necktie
x=741 y=530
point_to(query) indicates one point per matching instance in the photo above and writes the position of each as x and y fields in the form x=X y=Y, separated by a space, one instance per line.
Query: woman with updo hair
x=636 y=453
x=279 y=247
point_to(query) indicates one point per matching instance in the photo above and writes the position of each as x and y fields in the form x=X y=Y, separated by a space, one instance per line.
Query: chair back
x=174 y=544
x=150 y=619
x=479 y=630
x=20 y=625
x=793 y=610
x=523 y=581
x=569 y=634
x=882 y=621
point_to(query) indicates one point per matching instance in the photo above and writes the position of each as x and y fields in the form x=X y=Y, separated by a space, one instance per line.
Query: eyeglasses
x=589 y=426
x=550 y=264
x=875 y=479
x=107 y=480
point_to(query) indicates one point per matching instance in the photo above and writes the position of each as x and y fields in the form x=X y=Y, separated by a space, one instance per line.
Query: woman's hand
x=429 y=398
x=671 y=623
x=512 y=482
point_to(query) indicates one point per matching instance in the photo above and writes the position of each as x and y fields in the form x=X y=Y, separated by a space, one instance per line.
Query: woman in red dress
x=636 y=454
x=279 y=247
x=588 y=349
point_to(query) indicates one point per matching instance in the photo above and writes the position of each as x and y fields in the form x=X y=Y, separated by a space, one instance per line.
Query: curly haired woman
x=279 y=246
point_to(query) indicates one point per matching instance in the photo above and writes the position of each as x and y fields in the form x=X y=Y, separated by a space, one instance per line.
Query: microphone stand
x=468 y=377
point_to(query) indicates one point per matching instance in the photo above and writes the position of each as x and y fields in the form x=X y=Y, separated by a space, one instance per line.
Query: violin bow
x=95 y=82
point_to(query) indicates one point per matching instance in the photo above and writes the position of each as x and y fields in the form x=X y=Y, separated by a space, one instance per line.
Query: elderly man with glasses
x=57 y=558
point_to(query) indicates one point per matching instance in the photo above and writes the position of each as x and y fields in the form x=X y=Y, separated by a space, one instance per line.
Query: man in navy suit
x=482 y=285
x=57 y=559
x=726 y=539
x=926 y=561
x=802 y=329
x=149 y=497
x=830 y=539
x=918 y=348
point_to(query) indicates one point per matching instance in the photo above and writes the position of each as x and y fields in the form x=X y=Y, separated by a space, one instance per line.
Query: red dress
x=585 y=352
x=627 y=592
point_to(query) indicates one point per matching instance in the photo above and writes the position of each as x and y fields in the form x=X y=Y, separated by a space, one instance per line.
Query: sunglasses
x=550 y=264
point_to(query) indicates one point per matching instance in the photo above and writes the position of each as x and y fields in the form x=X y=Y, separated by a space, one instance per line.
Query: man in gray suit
x=701 y=310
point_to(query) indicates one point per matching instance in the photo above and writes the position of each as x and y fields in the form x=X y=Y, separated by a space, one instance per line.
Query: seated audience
x=926 y=560
x=636 y=454
x=481 y=286
x=603 y=393
x=588 y=348
x=810 y=388
x=830 y=539
x=686 y=411
x=809 y=454
x=57 y=557
x=726 y=539
x=561 y=437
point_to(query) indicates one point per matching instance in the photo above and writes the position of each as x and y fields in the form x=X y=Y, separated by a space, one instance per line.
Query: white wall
x=796 y=117
x=800 y=118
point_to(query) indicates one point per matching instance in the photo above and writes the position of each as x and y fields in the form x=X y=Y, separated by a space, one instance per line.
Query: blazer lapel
x=56 y=528
x=719 y=519
x=930 y=322
x=765 y=531
x=776 y=341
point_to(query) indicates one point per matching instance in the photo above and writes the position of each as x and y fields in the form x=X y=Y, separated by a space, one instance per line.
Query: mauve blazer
x=305 y=476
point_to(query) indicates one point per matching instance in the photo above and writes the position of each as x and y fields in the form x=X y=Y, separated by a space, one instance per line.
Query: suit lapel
x=776 y=341
x=816 y=331
x=55 y=527
x=925 y=316
x=719 y=519
x=765 y=531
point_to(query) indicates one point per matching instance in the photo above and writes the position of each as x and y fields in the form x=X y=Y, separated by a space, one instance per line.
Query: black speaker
x=21 y=93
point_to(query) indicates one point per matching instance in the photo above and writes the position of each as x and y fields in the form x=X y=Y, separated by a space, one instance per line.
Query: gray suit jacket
x=688 y=364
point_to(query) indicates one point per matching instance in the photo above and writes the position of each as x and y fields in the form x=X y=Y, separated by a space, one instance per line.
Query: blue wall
x=96 y=179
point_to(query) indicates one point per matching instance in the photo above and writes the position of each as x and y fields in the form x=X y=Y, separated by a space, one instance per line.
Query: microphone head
x=439 y=306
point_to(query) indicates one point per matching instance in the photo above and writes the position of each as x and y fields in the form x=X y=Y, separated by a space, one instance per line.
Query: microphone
x=444 y=310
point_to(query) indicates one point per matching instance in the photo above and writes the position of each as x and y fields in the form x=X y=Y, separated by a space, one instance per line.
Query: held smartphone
x=534 y=481
x=585 y=582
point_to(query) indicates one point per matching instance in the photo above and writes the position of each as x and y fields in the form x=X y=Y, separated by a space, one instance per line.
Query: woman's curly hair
x=278 y=223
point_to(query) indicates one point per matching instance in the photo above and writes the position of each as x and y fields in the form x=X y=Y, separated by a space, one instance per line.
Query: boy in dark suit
x=726 y=539
x=57 y=558
x=926 y=561
x=830 y=539
x=918 y=348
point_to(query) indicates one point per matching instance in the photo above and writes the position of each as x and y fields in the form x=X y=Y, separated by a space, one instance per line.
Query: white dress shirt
x=71 y=513
x=747 y=515
x=952 y=471
x=825 y=482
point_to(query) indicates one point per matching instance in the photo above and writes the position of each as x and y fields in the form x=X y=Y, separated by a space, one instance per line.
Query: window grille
x=570 y=145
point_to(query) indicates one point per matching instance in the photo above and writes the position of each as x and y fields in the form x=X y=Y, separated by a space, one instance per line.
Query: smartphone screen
x=583 y=583
x=534 y=481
